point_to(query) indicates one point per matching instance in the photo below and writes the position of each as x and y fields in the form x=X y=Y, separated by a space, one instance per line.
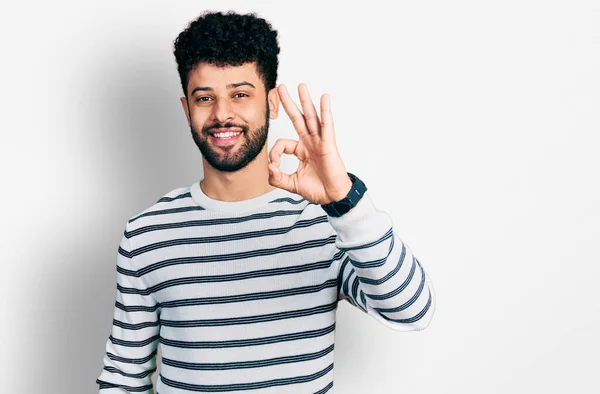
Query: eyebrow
x=230 y=86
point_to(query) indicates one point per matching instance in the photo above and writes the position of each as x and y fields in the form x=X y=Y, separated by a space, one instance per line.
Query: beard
x=232 y=158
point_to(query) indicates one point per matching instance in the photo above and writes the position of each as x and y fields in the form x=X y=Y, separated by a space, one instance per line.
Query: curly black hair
x=229 y=39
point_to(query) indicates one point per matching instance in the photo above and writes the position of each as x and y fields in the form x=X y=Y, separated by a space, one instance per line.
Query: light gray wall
x=474 y=125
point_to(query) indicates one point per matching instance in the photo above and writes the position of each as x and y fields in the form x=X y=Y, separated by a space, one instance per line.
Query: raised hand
x=321 y=176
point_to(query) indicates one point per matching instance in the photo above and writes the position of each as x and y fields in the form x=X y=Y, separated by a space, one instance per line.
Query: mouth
x=225 y=136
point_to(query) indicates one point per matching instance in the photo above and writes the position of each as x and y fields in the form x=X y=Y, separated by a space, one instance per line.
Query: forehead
x=208 y=75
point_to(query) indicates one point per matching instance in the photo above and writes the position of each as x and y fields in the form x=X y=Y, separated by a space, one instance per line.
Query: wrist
x=354 y=194
x=343 y=191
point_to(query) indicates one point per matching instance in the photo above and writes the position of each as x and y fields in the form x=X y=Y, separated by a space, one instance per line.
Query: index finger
x=293 y=112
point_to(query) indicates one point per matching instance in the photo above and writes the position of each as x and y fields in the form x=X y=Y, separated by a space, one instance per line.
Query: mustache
x=207 y=128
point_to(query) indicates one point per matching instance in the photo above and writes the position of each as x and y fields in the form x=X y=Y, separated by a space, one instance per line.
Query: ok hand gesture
x=321 y=176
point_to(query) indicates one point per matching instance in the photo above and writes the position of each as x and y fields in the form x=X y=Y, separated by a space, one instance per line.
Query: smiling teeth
x=227 y=134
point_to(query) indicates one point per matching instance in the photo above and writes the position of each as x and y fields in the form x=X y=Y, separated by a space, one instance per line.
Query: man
x=238 y=275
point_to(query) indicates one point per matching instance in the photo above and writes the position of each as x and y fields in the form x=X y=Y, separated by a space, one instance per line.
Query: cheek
x=253 y=115
x=198 y=118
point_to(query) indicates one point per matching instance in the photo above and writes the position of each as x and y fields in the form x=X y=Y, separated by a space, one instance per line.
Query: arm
x=130 y=357
x=378 y=272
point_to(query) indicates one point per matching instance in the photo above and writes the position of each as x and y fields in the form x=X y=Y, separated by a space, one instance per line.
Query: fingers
x=293 y=112
x=276 y=177
x=308 y=123
x=282 y=180
x=310 y=113
x=326 y=119
x=280 y=147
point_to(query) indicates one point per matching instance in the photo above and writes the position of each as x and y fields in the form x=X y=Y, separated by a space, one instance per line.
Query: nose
x=222 y=111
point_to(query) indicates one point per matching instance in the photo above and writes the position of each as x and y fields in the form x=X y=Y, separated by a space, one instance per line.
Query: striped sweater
x=242 y=296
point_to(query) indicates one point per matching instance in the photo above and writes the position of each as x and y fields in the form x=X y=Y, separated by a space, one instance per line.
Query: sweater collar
x=234 y=206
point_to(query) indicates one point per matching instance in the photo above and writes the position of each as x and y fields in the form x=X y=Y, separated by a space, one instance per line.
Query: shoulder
x=178 y=200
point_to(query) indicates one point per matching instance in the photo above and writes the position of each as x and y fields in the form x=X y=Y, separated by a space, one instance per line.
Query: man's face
x=225 y=100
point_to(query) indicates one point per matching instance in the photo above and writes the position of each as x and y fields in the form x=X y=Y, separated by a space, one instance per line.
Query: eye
x=201 y=99
x=241 y=93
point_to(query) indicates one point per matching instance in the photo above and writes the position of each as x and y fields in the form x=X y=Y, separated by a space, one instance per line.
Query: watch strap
x=357 y=191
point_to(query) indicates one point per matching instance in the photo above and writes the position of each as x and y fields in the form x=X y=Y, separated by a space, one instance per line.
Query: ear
x=186 y=109
x=273 y=100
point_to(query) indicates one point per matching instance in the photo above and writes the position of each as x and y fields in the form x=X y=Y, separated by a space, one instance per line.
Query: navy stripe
x=341 y=272
x=196 y=207
x=135 y=308
x=165 y=212
x=239 y=276
x=249 y=296
x=212 y=222
x=247 y=364
x=245 y=297
x=130 y=375
x=106 y=385
x=325 y=389
x=345 y=286
x=414 y=318
x=355 y=288
x=375 y=263
x=250 y=319
x=225 y=278
x=317 y=243
x=137 y=326
x=253 y=296
x=292 y=201
x=246 y=386
x=122 y=342
x=355 y=284
x=363 y=299
x=228 y=237
x=169 y=199
x=369 y=281
x=411 y=300
x=249 y=342
x=397 y=290
x=388 y=234
x=131 y=360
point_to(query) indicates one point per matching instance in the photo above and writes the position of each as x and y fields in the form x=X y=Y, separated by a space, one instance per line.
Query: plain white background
x=474 y=125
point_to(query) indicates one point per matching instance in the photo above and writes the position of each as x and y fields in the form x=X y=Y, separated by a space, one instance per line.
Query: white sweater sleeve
x=378 y=272
x=130 y=358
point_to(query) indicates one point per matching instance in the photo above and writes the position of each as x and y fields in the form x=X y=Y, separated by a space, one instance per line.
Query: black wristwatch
x=338 y=208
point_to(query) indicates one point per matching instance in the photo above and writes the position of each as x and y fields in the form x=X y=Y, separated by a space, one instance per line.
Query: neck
x=249 y=182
